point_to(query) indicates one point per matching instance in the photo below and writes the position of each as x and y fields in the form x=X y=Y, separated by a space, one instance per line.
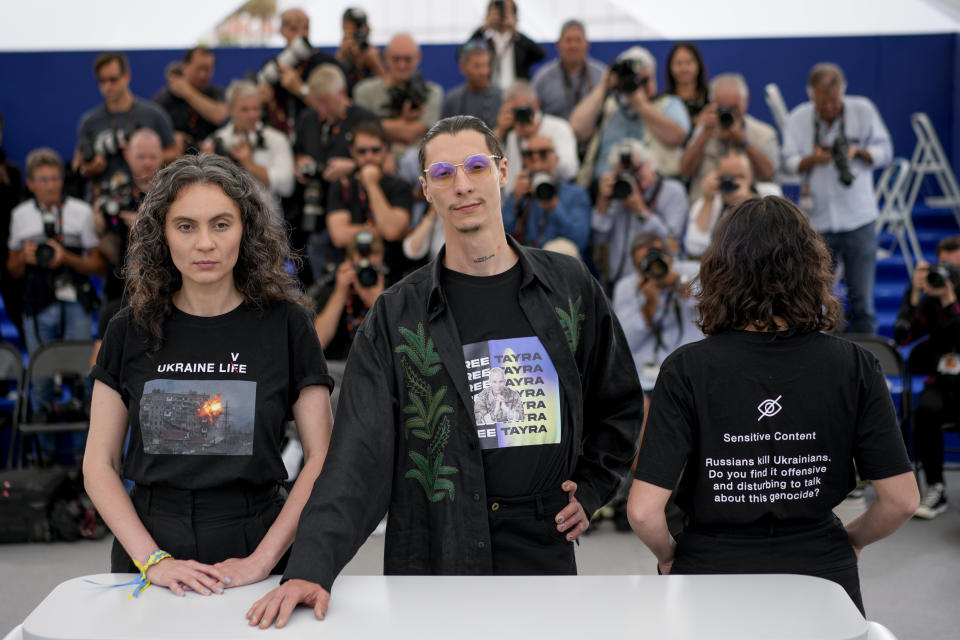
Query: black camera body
x=313 y=195
x=118 y=197
x=300 y=50
x=107 y=143
x=543 y=186
x=654 y=264
x=366 y=273
x=942 y=273
x=726 y=117
x=413 y=90
x=627 y=72
x=623 y=185
x=839 y=150
x=361 y=33
x=728 y=183
x=523 y=115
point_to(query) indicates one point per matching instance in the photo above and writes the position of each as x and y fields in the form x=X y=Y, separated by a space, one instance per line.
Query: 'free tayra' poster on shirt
x=515 y=391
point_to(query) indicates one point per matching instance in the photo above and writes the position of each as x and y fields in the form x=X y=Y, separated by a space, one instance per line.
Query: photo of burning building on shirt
x=198 y=417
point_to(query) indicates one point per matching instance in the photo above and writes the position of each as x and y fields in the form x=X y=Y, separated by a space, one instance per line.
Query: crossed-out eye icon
x=769 y=408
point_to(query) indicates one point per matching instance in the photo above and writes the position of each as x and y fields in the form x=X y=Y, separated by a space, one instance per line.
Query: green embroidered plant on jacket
x=429 y=414
x=571 y=322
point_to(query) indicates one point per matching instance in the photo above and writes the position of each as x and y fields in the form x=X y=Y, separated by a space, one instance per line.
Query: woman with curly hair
x=206 y=365
x=761 y=423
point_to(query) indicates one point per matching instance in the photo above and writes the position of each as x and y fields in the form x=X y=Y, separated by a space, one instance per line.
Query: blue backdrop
x=43 y=95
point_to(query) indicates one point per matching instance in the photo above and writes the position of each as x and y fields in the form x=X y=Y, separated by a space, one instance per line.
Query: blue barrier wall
x=43 y=95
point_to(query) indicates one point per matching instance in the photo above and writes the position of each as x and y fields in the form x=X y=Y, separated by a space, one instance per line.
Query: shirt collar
x=530 y=270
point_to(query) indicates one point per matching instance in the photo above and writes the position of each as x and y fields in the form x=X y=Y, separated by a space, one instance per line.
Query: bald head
x=144 y=155
x=402 y=57
x=293 y=24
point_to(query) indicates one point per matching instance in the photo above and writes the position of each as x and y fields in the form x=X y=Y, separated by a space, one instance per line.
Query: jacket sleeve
x=352 y=493
x=612 y=406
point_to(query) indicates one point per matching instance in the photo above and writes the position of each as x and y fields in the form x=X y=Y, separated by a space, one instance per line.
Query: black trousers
x=938 y=403
x=525 y=538
x=207 y=525
x=814 y=549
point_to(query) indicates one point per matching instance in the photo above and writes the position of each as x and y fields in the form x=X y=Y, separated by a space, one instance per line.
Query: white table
x=786 y=607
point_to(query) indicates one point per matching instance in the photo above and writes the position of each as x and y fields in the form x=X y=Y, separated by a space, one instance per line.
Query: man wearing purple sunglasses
x=467 y=496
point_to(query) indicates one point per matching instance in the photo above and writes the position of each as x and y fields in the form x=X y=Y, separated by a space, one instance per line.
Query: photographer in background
x=520 y=119
x=566 y=80
x=930 y=307
x=541 y=206
x=514 y=53
x=406 y=103
x=632 y=198
x=260 y=149
x=356 y=56
x=725 y=125
x=654 y=305
x=11 y=194
x=54 y=248
x=281 y=79
x=835 y=142
x=478 y=96
x=730 y=184
x=626 y=105
x=103 y=131
x=370 y=200
x=322 y=153
x=195 y=107
x=348 y=294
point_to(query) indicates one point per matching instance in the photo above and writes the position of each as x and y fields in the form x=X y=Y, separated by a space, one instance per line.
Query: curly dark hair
x=766 y=269
x=260 y=274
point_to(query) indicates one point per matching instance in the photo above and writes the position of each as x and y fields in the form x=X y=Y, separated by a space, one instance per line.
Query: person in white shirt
x=260 y=149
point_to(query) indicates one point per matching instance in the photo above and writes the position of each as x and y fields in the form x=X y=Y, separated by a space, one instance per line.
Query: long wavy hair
x=260 y=274
x=766 y=269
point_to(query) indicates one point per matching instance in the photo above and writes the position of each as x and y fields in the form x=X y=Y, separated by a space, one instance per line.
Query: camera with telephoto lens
x=654 y=264
x=361 y=33
x=413 y=90
x=107 y=143
x=312 y=195
x=839 y=150
x=728 y=183
x=366 y=272
x=623 y=185
x=118 y=196
x=299 y=51
x=726 y=117
x=45 y=252
x=627 y=72
x=542 y=186
x=523 y=115
x=942 y=273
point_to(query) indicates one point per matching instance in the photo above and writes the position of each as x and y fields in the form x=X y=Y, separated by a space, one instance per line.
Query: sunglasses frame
x=453 y=175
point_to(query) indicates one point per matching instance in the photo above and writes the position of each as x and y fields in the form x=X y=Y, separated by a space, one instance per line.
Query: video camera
x=627 y=72
x=299 y=51
x=366 y=273
x=413 y=90
x=942 y=273
x=361 y=34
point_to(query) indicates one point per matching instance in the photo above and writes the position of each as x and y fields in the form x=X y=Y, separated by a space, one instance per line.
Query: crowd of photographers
x=630 y=178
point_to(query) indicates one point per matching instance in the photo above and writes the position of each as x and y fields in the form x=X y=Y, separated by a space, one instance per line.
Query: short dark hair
x=948 y=244
x=201 y=50
x=454 y=125
x=368 y=127
x=471 y=47
x=766 y=266
x=694 y=50
x=643 y=240
x=106 y=58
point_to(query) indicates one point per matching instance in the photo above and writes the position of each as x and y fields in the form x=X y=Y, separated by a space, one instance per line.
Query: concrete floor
x=909 y=580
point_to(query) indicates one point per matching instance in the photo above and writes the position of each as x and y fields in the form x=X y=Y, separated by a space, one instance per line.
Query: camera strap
x=656 y=327
x=817 y=139
x=584 y=83
x=58 y=229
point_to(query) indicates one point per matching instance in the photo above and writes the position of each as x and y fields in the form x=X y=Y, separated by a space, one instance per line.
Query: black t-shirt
x=766 y=426
x=516 y=393
x=353 y=198
x=185 y=118
x=210 y=407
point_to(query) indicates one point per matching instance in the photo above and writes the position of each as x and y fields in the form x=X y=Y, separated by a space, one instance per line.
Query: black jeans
x=938 y=403
x=815 y=549
x=207 y=525
x=525 y=537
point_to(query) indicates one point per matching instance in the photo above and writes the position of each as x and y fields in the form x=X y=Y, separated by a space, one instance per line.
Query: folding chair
x=892 y=366
x=63 y=357
x=894 y=218
x=11 y=369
